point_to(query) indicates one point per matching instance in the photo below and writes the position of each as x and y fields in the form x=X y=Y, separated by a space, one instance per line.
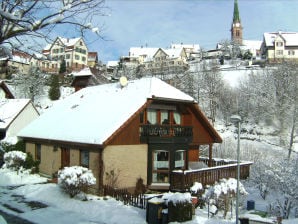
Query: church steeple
x=236 y=16
x=236 y=29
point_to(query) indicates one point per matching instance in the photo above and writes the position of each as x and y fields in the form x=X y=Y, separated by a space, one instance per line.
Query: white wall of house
x=27 y=115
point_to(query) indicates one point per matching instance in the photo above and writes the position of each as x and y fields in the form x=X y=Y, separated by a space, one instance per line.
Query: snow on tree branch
x=20 y=18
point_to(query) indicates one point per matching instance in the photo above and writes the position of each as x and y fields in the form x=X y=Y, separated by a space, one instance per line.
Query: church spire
x=236 y=15
x=236 y=29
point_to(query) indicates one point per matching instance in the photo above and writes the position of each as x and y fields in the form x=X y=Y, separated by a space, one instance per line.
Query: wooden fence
x=126 y=197
x=183 y=180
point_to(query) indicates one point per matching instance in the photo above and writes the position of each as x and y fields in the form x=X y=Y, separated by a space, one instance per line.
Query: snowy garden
x=272 y=187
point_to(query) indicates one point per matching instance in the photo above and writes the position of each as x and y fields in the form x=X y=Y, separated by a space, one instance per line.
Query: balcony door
x=161 y=166
x=164 y=159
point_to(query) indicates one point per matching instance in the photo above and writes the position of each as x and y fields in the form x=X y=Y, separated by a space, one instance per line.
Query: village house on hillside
x=137 y=129
x=278 y=46
x=73 y=51
x=157 y=60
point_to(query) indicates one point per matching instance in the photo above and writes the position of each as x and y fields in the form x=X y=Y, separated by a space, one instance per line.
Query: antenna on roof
x=123 y=81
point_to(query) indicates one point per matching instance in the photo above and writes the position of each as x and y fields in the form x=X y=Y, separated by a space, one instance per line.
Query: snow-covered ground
x=18 y=189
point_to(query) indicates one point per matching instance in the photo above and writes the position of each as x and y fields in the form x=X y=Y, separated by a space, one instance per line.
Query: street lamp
x=236 y=119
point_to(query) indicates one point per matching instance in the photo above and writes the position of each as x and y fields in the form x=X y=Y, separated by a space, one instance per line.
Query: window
x=291 y=52
x=279 y=52
x=67 y=56
x=84 y=158
x=142 y=118
x=83 y=58
x=38 y=152
x=237 y=33
x=164 y=117
x=279 y=44
x=77 y=57
x=161 y=166
x=176 y=118
x=180 y=159
x=151 y=116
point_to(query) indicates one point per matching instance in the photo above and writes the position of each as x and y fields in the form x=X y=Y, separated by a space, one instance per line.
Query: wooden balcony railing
x=183 y=180
x=165 y=131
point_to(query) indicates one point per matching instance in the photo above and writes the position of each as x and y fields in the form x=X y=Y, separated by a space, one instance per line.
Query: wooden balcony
x=165 y=131
x=183 y=180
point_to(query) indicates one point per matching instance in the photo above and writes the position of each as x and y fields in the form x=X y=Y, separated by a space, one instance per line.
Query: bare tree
x=36 y=18
x=209 y=87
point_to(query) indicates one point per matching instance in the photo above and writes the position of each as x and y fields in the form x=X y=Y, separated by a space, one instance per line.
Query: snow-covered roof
x=93 y=114
x=291 y=38
x=10 y=109
x=174 y=52
x=139 y=51
x=112 y=64
x=252 y=44
x=84 y=72
x=193 y=47
x=66 y=41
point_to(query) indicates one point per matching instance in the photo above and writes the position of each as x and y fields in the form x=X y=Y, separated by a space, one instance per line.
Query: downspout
x=100 y=172
x=210 y=156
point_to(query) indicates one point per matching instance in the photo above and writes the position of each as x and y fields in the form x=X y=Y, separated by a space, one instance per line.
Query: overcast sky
x=158 y=23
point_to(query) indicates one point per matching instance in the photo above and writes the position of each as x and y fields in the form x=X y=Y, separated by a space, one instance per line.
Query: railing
x=183 y=180
x=165 y=131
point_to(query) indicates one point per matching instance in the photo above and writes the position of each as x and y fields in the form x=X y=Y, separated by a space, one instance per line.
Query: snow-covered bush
x=14 y=159
x=74 y=180
x=223 y=193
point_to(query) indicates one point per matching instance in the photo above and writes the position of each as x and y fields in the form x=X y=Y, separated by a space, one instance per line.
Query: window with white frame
x=180 y=159
x=161 y=166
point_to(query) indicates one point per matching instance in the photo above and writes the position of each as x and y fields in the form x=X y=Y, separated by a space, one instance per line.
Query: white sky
x=158 y=23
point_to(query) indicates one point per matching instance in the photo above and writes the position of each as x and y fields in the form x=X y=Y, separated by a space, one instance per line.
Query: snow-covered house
x=277 y=46
x=74 y=51
x=15 y=114
x=141 y=128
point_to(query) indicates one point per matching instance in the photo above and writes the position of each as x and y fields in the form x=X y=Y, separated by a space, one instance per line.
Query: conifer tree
x=62 y=67
x=54 y=92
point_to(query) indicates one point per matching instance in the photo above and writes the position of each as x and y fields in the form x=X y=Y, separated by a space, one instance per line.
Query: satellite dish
x=123 y=81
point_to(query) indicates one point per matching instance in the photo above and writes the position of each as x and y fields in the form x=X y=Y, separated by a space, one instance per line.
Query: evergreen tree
x=54 y=92
x=62 y=67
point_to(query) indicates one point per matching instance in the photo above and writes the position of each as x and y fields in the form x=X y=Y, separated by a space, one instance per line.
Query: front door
x=65 y=157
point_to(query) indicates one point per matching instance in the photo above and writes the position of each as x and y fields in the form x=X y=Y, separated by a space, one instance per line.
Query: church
x=253 y=46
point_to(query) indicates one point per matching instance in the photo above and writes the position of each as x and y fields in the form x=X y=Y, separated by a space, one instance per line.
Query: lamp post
x=236 y=119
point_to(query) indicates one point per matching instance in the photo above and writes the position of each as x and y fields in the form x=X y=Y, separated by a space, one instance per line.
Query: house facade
x=73 y=51
x=278 y=46
x=143 y=129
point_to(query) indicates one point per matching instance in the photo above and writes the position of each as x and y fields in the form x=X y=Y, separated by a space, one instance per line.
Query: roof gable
x=10 y=109
x=93 y=114
x=290 y=38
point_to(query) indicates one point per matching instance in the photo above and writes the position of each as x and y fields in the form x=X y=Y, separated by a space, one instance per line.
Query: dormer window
x=279 y=44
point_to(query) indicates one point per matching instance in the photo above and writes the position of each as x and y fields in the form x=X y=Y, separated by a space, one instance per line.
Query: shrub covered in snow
x=74 y=180
x=223 y=193
x=14 y=159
